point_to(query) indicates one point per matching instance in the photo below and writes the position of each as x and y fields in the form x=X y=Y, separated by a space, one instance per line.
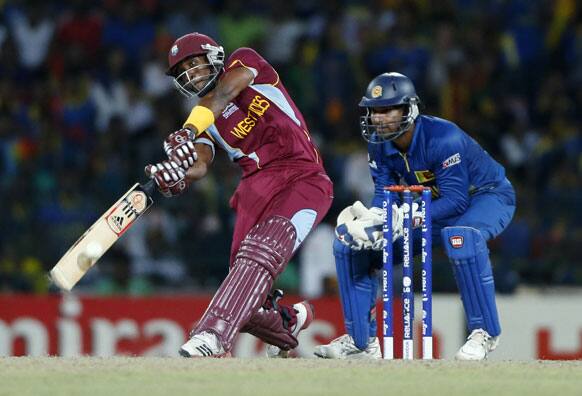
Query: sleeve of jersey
x=452 y=177
x=251 y=60
x=205 y=139
x=381 y=174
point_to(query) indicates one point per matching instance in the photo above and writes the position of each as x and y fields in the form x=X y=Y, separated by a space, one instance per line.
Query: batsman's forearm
x=200 y=167
x=197 y=171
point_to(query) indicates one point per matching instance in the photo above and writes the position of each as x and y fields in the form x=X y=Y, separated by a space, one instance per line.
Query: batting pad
x=469 y=256
x=357 y=292
x=262 y=256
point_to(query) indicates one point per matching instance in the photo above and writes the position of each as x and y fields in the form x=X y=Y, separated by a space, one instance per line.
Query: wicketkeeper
x=473 y=202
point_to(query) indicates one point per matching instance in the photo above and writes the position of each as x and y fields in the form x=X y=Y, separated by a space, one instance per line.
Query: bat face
x=122 y=215
x=100 y=236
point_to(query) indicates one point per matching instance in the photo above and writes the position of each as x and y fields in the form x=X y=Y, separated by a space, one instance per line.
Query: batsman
x=245 y=110
x=473 y=202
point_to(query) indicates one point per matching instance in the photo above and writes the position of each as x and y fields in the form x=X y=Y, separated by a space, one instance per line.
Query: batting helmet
x=188 y=46
x=388 y=90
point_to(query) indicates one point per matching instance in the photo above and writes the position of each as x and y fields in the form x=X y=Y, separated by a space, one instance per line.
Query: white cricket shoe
x=344 y=347
x=204 y=344
x=305 y=315
x=478 y=346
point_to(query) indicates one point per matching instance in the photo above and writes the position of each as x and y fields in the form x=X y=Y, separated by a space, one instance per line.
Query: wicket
x=407 y=273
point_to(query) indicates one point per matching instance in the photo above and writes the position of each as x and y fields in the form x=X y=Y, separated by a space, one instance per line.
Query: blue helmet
x=388 y=90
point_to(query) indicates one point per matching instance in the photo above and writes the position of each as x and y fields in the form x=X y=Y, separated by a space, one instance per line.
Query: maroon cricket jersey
x=262 y=128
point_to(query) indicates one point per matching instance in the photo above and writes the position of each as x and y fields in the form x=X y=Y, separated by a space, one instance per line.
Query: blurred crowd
x=85 y=104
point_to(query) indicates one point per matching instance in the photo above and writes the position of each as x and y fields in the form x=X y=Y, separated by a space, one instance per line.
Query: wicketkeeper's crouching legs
x=469 y=256
x=357 y=286
x=262 y=256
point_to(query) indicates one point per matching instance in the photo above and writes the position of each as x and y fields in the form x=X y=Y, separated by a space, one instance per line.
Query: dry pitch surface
x=234 y=377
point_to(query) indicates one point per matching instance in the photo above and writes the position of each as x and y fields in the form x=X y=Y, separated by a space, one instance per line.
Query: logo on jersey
x=372 y=163
x=228 y=110
x=452 y=160
x=377 y=91
x=424 y=176
x=257 y=108
x=456 y=241
x=174 y=50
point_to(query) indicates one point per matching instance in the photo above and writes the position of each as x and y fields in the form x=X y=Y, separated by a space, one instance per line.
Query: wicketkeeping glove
x=360 y=228
x=179 y=147
x=169 y=176
x=415 y=213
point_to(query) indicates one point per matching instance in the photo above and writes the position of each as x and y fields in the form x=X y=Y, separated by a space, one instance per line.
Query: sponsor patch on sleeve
x=456 y=241
x=229 y=109
x=452 y=160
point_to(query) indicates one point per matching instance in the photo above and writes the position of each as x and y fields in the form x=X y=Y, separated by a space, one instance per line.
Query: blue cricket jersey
x=441 y=156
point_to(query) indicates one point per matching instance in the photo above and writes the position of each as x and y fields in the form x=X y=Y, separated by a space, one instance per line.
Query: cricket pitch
x=234 y=377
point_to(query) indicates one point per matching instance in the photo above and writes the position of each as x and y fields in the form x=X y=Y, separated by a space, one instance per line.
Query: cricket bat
x=102 y=235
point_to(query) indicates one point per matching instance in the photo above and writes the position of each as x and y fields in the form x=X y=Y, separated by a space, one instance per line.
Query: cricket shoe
x=305 y=315
x=478 y=346
x=344 y=347
x=204 y=344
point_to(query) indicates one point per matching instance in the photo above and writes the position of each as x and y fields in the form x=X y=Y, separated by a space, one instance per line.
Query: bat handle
x=149 y=187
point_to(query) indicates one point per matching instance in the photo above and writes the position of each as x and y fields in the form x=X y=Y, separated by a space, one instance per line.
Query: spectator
x=84 y=103
x=32 y=29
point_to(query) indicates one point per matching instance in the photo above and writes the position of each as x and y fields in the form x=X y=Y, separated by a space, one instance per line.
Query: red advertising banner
x=545 y=327
x=145 y=326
